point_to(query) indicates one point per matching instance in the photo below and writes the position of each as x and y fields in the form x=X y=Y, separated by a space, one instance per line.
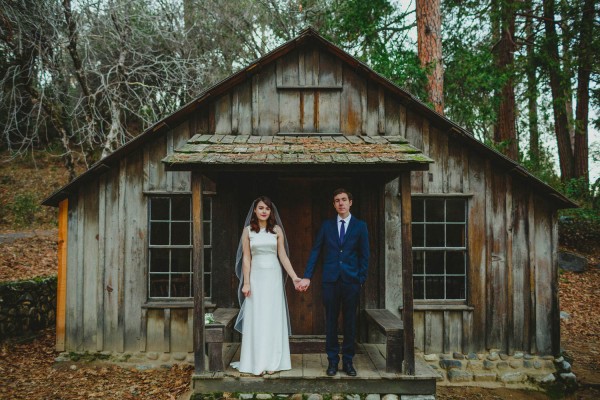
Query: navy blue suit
x=345 y=269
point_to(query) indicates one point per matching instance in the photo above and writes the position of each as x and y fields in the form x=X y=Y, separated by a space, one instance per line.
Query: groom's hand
x=304 y=284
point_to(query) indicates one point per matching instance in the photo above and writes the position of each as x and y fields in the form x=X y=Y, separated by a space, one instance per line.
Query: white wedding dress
x=265 y=336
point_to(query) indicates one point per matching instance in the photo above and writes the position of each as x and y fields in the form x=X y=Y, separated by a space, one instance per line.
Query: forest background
x=80 y=78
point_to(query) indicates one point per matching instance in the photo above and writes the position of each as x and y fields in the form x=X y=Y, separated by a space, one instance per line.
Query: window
x=439 y=248
x=170 y=247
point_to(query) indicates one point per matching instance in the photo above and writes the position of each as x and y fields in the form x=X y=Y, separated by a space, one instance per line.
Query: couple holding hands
x=264 y=317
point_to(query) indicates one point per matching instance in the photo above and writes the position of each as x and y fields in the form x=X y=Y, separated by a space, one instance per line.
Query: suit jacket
x=348 y=260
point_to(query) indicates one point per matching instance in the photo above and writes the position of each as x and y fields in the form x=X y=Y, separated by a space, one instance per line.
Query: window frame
x=424 y=248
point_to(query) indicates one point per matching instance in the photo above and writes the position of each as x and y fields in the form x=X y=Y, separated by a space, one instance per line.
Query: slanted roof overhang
x=316 y=153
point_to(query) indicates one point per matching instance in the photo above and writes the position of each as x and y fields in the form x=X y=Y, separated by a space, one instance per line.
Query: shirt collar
x=346 y=220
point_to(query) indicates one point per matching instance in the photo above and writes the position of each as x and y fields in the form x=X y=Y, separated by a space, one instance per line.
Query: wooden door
x=303 y=205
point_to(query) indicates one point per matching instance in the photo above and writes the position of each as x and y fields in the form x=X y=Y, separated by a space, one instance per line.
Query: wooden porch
x=308 y=374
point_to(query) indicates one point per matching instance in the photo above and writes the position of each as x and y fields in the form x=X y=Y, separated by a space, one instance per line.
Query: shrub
x=24 y=208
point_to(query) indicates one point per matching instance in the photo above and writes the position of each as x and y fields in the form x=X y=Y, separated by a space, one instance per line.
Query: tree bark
x=505 y=132
x=531 y=72
x=429 y=44
x=584 y=69
x=557 y=86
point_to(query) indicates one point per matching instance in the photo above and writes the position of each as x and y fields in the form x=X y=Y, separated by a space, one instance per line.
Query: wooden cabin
x=148 y=234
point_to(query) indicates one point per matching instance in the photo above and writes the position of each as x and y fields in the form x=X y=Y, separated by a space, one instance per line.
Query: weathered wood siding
x=511 y=295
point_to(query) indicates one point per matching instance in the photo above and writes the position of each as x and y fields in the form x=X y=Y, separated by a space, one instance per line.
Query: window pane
x=417 y=210
x=207 y=233
x=434 y=287
x=180 y=208
x=159 y=233
x=434 y=211
x=418 y=235
x=455 y=287
x=159 y=260
x=207 y=285
x=180 y=285
x=159 y=285
x=159 y=208
x=181 y=260
x=206 y=215
x=207 y=260
x=434 y=235
x=180 y=233
x=455 y=235
x=455 y=262
x=434 y=262
x=418 y=262
x=455 y=210
x=418 y=285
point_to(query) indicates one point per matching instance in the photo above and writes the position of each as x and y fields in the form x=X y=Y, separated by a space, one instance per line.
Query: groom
x=345 y=241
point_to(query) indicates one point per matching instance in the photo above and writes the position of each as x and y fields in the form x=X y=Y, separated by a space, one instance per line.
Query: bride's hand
x=246 y=290
x=296 y=280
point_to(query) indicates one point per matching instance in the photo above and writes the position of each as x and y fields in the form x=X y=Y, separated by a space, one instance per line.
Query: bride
x=263 y=319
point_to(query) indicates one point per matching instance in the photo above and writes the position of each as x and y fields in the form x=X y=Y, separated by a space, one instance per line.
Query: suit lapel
x=348 y=229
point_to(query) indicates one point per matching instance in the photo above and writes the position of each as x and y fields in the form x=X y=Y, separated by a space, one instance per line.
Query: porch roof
x=310 y=150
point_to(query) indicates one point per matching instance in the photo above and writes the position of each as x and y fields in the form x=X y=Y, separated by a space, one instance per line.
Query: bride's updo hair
x=270 y=221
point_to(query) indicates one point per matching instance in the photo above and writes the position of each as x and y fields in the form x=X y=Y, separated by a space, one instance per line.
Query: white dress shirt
x=339 y=223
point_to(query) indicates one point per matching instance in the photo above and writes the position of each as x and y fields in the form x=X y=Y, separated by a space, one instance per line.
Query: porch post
x=198 y=276
x=407 y=275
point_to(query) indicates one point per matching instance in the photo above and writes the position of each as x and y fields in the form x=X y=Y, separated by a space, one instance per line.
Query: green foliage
x=24 y=208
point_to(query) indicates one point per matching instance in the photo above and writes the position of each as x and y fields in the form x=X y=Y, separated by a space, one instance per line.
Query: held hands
x=302 y=285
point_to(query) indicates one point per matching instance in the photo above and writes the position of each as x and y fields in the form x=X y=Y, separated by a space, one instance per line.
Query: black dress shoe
x=349 y=369
x=332 y=369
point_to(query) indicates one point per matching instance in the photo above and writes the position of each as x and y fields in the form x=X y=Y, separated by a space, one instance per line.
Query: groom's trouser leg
x=331 y=301
x=350 y=299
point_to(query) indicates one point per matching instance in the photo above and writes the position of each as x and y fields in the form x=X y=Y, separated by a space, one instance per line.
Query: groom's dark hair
x=340 y=191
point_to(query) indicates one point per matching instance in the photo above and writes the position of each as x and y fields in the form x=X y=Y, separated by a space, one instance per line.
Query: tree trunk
x=505 y=132
x=429 y=44
x=584 y=69
x=557 y=86
x=531 y=71
x=567 y=36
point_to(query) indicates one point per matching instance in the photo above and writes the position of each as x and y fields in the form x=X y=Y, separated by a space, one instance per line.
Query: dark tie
x=342 y=231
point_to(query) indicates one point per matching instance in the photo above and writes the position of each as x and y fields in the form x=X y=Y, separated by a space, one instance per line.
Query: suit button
x=341 y=251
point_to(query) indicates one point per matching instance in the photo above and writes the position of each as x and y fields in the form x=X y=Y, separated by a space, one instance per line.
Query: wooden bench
x=393 y=329
x=215 y=334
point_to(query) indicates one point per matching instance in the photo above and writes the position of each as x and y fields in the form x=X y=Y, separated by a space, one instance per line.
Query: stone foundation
x=496 y=368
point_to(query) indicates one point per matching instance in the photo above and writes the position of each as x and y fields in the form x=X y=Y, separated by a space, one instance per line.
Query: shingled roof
x=315 y=150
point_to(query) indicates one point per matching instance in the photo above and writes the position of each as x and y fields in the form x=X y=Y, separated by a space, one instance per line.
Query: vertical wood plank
x=244 y=108
x=554 y=279
x=135 y=261
x=467 y=332
x=414 y=135
x=235 y=110
x=329 y=102
x=61 y=295
x=180 y=180
x=381 y=112
x=407 y=275
x=170 y=150
x=393 y=247
x=351 y=112
x=120 y=336
x=520 y=270
x=78 y=293
x=255 y=110
x=497 y=291
x=477 y=250
x=223 y=114
x=435 y=180
x=90 y=265
x=455 y=169
x=167 y=331
x=372 y=108
x=543 y=277
x=402 y=120
x=532 y=228
x=392 y=116
x=110 y=286
x=101 y=259
x=72 y=341
x=179 y=330
x=510 y=293
x=198 y=268
x=157 y=176
x=419 y=327
x=268 y=102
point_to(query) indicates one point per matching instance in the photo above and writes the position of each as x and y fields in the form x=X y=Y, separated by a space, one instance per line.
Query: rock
x=549 y=364
x=493 y=356
x=179 y=356
x=246 y=396
x=152 y=355
x=314 y=396
x=418 y=397
x=512 y=377
x=528 y=357
x=264 y=396
x=458 y=356
x=565 y=366
x=143 y=367
x=548 y=357
x=537 y=364
x=571 y=262
x=565 y=315
x=541 y=378
x=568 y=377
x=518 y=355
x=488 y=365
x=434 y=366
x=559 y=359
x=352 y=397
x=484 y=376
x=450 y=364
x=472 y=356
x=548 y=379
x=165 y=357
x=61 y=359
x=474 y=365
x=457 y=375
x=73 y=367
x=298 y=396
x=431 y=357
x=390 y=397
x=502 y=365
x=528 y=364
x=515 y=364
x=503 y=356
x=373 y=396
